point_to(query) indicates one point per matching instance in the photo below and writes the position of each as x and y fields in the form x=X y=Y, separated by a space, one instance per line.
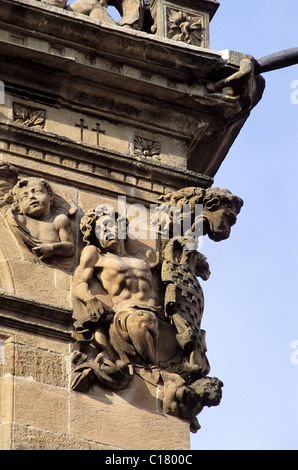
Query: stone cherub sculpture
x=149 y=297
x=45 y=231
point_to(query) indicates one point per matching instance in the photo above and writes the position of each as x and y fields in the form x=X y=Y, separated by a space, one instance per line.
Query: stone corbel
x=140 y=314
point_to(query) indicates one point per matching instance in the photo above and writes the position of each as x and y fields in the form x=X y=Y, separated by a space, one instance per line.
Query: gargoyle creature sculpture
x=130 y=302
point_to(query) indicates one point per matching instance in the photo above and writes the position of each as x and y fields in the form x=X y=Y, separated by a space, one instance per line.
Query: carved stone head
x=33 y=197
x=220 y=208
x=220 y=212
x=104 y=227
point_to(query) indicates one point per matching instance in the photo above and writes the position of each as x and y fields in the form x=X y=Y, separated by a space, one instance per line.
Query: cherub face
x=34 y=199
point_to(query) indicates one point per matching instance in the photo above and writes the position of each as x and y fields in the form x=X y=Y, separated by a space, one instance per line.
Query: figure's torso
x=126 y=278
x=45 y=231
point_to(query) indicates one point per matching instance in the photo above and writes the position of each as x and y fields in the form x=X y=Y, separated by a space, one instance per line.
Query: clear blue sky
x=251 y=315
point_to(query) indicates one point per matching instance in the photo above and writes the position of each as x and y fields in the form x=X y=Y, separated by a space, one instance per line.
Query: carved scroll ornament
x=130 y=301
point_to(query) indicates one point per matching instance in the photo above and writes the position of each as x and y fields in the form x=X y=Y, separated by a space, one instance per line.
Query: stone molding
x=33 y=317
x=48 y=152
x=151 y=80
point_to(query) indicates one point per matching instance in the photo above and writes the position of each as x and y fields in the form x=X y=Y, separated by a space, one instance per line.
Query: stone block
x=139 y=393
x=35 y=281
x=19 y=437
x=38 y=364
x=30 y=438
x=6 y=432
x=34 y=404
x=124 y=425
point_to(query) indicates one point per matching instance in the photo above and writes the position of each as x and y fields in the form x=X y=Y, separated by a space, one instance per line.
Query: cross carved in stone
x=82 y=127
x=98 y=132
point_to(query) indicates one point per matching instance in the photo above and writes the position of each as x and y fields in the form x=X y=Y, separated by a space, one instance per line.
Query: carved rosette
x=185 y=27
x=146 y=148
x=29 y=117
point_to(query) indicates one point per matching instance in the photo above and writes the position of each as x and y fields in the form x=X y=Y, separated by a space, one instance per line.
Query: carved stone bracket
x=139 y=313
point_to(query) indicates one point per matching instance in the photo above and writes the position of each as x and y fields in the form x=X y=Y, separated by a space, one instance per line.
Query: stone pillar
x=101 y=341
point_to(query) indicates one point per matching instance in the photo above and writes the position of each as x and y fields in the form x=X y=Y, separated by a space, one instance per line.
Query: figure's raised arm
x=67 y=242
x=83 y=276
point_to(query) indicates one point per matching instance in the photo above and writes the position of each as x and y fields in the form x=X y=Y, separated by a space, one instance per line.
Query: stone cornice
x=35 y=317
x=111 y=41
x=70 y=61
x=87 y=165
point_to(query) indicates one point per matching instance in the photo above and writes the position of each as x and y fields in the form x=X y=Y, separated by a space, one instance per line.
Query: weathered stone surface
x=30 y=438
x=94 y=111
x=105 y=422
x=40 y=365
x=202 y=120
x=35 y=405
x=29 y=399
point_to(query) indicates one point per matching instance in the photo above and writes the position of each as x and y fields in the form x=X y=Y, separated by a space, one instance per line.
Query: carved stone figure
x=32 y=218
x=131 y=302
x=220 y=209
x=132 y=11
x=47 y=233
x=8 y=178
x=37 y=238
x=129 y=329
